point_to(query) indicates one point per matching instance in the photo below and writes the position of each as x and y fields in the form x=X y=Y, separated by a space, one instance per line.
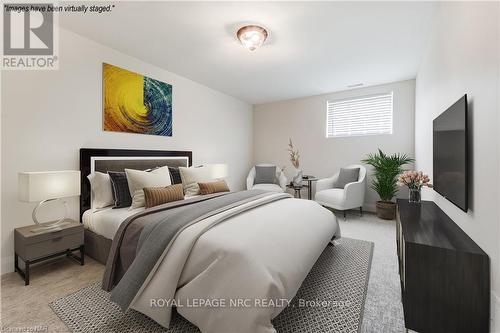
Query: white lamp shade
x=39 y=186
x=219 y=171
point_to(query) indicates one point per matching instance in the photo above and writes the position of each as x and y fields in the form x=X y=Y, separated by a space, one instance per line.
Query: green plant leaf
x=386 y=169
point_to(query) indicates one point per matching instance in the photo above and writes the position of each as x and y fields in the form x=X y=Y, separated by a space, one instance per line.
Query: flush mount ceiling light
x=251 y=36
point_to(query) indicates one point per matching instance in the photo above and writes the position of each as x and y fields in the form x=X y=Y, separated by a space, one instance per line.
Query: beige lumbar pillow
x=213 y=187
x=192 y=176
x=138 y=180
x=155 y=196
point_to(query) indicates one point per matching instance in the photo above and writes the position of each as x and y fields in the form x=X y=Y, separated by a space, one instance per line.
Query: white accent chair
x=267 y=187
x=349 y=197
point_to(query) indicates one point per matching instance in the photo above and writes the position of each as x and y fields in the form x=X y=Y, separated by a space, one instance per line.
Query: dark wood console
x=445 y=276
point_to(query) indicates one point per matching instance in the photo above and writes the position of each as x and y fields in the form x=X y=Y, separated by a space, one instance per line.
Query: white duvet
x=239 y=274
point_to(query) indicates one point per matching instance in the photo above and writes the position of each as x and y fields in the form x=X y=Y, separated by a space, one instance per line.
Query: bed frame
x=103 y=160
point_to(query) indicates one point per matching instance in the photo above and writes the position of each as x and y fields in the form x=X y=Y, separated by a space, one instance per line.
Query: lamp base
x=55 y=226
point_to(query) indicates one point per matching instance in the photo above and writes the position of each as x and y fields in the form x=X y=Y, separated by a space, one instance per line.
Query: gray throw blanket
x=158 y=235
x=124 y=247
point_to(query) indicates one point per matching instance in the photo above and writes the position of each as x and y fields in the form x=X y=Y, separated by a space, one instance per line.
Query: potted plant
x=386 y=169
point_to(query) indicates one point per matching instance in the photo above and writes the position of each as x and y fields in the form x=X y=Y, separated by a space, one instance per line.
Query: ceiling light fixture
x=252 y=36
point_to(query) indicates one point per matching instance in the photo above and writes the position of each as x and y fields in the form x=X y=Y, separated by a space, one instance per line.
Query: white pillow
x=100 y=190
x=138 y=199
x=192 y=176
x=138 y=179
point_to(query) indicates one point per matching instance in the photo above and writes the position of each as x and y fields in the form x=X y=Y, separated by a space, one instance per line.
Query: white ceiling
x=313 y=48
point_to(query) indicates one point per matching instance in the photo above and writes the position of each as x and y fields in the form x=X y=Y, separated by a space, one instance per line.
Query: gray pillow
x=265 y=175
x=346 y=176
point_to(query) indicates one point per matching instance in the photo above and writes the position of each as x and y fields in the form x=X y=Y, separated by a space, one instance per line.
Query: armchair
x=280 y=176
x=349 y=197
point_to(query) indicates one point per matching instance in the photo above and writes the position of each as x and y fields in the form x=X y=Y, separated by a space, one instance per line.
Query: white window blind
x=367 y=115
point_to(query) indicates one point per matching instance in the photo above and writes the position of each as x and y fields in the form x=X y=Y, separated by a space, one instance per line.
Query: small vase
x=415 y=195
x=297 y=178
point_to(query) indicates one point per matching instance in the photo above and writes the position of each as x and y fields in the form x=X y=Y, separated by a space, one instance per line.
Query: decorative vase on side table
x=297 y=178
x=294 y=158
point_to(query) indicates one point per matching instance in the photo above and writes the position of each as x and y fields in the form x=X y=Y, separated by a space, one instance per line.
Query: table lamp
x=219 y=170
x=46 y=186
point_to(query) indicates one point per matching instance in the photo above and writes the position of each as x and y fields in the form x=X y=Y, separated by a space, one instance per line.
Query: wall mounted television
x=450 y=154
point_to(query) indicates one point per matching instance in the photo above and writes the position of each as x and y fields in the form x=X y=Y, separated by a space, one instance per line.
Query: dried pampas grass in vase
x=294 y=158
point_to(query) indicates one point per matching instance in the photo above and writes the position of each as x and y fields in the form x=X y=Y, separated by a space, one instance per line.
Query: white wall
x=47 y=116
x=304 y=120
x=463 y=57
x=495 y=295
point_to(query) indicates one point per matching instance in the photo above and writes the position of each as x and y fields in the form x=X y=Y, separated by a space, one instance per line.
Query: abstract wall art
x=135 y=103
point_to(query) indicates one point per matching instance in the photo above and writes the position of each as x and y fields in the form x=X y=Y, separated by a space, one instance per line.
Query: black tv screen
x=450 y=155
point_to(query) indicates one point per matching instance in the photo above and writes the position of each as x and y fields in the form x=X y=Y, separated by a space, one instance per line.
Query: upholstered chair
x=278 y=186
x=349 y=197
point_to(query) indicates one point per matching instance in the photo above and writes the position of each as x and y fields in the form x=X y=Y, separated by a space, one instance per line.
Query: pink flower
x=414 y=179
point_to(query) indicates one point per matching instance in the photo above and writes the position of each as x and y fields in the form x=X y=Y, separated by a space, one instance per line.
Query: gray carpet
x=383 y=308
x=339 y=277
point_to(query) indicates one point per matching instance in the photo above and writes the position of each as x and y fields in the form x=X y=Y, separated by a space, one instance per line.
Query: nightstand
x=33 y=246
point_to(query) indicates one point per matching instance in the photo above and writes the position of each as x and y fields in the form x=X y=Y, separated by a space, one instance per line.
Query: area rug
x=331 y=299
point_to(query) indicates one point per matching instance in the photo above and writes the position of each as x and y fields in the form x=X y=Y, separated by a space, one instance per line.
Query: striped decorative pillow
x=155 y=196
x=213 y=187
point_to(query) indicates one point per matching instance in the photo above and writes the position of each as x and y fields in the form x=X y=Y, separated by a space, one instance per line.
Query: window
x=367 y=115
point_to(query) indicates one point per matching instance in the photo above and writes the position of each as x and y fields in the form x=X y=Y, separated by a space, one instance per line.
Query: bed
x=227 y=262
x=100 y=226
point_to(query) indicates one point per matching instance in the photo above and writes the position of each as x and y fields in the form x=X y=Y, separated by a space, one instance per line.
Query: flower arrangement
x=294 y=154
x=414 y=179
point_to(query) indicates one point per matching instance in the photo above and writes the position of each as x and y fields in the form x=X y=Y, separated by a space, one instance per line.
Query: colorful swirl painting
x=135 y=103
